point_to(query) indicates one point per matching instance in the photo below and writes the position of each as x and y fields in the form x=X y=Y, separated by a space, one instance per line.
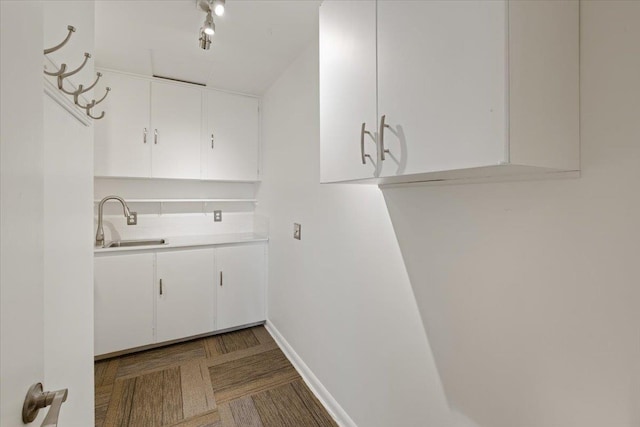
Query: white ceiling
x=255 y=40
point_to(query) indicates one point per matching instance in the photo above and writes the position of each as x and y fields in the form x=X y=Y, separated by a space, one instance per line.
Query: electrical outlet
x=297 y=230
x=217 y=216
x=133 y=218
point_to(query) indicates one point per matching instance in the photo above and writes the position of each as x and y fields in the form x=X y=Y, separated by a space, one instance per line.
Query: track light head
x=204 y=41
x=218 y=7
x=209 y=27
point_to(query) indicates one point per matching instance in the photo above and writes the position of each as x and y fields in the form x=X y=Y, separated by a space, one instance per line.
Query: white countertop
x=189 y=241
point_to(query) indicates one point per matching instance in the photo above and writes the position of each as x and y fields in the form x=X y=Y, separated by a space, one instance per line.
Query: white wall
x=340 y=296
x=68 y=226
x=530 y=291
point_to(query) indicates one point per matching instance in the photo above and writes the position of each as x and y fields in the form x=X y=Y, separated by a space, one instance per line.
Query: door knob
x=37 y=399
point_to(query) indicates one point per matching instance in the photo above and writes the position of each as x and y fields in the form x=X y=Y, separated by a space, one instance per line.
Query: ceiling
x=254 y=43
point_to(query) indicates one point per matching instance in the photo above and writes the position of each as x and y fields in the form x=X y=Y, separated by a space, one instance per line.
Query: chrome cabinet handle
x=37 y=399
x=220 y=277
x=364 y=132
x=212 y=141
x=155 y=136
x=382 y=126
x=160 y=286
x=144 y=137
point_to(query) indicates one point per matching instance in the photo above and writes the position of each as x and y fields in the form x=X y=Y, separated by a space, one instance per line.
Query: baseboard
x=314 y=384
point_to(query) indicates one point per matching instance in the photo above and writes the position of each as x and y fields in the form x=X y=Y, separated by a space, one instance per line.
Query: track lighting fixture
x=205 y=40
x=209 y=27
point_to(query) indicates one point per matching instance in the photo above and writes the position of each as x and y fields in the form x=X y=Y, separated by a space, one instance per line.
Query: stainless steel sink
x=130 y=243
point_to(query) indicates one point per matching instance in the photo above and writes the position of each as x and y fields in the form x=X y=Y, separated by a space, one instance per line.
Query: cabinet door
x=230 y=142
x=123 y=302
x=176 y=118
x=241 y=285
x=442 y=84
x=185 y=291
x=347 y=89
x=123 y=138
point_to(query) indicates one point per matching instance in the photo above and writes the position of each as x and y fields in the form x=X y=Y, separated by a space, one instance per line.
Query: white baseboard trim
x=335 y=410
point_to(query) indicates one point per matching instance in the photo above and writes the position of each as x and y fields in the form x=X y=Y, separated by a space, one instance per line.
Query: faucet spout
x=131 y=217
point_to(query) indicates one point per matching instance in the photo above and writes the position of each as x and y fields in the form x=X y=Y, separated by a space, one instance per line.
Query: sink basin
x=130 y=243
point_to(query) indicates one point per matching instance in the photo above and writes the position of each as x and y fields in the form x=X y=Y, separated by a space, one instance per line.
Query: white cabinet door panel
x=347 y=89
x=185 y=301
x=123 y=302
x=241 y=285
x=176 y=117
x=442 y=84
x=230 y=142
x=120 y=147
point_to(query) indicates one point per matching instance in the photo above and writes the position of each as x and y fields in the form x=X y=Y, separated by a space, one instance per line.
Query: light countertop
x=189 y=241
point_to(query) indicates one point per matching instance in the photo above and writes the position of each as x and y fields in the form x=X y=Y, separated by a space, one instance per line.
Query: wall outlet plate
x=297 y=231
x=217 y=216
x=133 y=218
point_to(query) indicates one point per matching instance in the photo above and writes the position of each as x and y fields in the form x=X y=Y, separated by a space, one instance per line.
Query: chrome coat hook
x=94 y=103
x=53 y=49
x=93 y=85
x=76 y=94
x=64 y=75
x=81 y=89
x=94 y=117
x=87 y=107
x=102 y=99
x=58 y=73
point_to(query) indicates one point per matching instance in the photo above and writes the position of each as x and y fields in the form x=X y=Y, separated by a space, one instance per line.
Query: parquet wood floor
x=238 y=379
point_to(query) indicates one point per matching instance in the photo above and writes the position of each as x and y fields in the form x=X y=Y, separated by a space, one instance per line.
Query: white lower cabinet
x=162 y=296
x=185 y=294
x=241 y=285
x=123 y=302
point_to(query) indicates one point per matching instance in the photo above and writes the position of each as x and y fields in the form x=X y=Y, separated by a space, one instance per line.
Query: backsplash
x=160 y=226
x=159 y=219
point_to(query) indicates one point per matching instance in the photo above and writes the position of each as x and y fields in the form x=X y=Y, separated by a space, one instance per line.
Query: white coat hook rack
x=62 y=74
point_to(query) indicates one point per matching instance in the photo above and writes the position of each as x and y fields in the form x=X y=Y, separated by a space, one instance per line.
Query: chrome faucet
x=132 y=217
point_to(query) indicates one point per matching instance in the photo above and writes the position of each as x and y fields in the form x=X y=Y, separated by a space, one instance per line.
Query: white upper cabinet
x=176 y=114
x=185 y=294
x=231 y=134
x=123 y=137
x=157 y=129
x=441 y=84
x=347 y=90
x=463 y=89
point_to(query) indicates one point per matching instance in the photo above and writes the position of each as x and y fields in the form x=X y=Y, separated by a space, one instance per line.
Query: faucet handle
x=132 y=219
